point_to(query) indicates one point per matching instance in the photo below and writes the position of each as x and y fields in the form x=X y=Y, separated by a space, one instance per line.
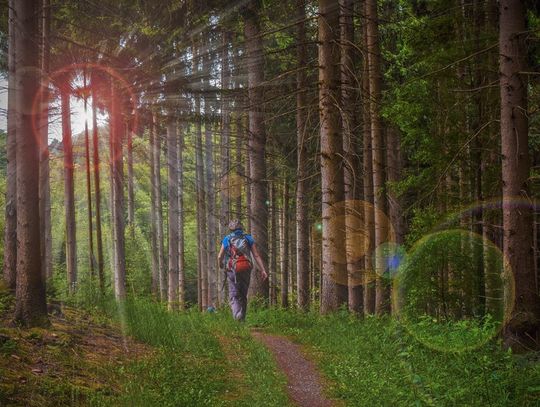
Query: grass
x=376 y=362
x=202 y=360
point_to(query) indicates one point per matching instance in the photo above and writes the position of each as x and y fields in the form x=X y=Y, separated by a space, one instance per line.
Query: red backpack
x=239 y=254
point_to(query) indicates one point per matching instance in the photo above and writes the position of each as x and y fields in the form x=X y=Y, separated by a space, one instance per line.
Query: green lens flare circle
x=454 y=291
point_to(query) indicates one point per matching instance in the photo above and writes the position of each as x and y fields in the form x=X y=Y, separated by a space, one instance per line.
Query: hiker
x=238 y=250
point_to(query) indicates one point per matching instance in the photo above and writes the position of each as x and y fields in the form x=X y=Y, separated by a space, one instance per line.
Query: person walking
x=236 y=256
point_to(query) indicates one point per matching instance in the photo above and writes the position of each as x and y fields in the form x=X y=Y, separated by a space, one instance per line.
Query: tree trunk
x=523 y=327
x=201 y=210
x=158 y=209
x=88 y=182
x=131 y=194
x=225 y=135
x=10 y=230
x=99 y=240
x=333 y=244
x=302 y=207
x=30 y=306
x=382 y=294
x=257 y=143
x=116 y=136
x=272 y=261
x=351 y=164
x=173 y=213
x=211 y=218
x=284 y=240
x=153 y=215
x=239 y=168
x=44 y=185
x=369 y=213
x=181 y=242
x=69 y=186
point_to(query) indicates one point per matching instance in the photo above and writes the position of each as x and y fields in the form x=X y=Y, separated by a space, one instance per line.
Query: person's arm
x=220 y=256
x=259 y=261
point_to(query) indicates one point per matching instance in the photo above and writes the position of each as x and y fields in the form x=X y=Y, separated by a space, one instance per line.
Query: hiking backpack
x=239 y=254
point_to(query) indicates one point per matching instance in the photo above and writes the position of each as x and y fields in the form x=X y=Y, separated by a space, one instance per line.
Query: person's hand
x=264 y=275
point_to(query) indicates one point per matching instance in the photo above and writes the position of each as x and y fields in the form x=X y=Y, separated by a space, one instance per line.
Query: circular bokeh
x=354 y=218
x=454 y=290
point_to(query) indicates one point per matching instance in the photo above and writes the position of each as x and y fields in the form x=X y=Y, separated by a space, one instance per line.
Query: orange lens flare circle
x=39 y=101
x=353 y=219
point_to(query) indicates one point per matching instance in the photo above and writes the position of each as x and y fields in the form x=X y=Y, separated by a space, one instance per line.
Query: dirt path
x=304 y=382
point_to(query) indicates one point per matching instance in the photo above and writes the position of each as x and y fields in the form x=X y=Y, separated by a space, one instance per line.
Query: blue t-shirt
x=237 y=232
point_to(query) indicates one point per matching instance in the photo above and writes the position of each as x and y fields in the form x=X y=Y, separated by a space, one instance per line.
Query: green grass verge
x=202 y=360
x=376 y=362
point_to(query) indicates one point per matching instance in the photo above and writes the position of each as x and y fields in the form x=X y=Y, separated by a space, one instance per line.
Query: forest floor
x=143 y=355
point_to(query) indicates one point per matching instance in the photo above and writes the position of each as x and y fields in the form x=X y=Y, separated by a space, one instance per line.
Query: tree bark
x=116 y=137
x=10 y=230
x=284 y=241
x=257 y=142
x=302 y=207
x=211 y=218
x=30 y=306
x=158 y=209
x=523 y=327
x=131 y=193
x=225 y=134
x=181 y=240
x=44 y=185
x=153 y=216
x=97 y=186
x=382 y=294
x=351 y=161
x=88 y=182
x=333 y=243
x=367 y=163
x=69 y=185
x=173 y=213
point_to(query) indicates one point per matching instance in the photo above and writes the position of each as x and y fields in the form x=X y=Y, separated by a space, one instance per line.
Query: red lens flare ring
x=38 y=102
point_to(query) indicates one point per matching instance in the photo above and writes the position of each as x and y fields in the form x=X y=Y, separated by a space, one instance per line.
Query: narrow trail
x=304 y=382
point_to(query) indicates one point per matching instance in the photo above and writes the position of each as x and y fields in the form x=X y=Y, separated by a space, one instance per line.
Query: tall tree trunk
x=225 y=134
x=257 y=142
x=351 y=165
x=97 y=186
x=302 y=208
x=333 y=243
x=272 y=261
x=131 y=194
x=181 y=240
x=44 y=185
x=116 y=136
x=284 y=241
x=153 y=216
x=69 y=186
x=10 y=231
x=173 y=213
x=158 y=209
x=201 y=209
x=367 y=163
x=523 y=327
x=30 y=306
x=88 y=182
x=211 y=211
x=382 y=295
x=239 y=168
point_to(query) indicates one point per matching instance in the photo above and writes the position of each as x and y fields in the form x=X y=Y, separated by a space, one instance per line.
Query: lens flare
x=454 y=291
